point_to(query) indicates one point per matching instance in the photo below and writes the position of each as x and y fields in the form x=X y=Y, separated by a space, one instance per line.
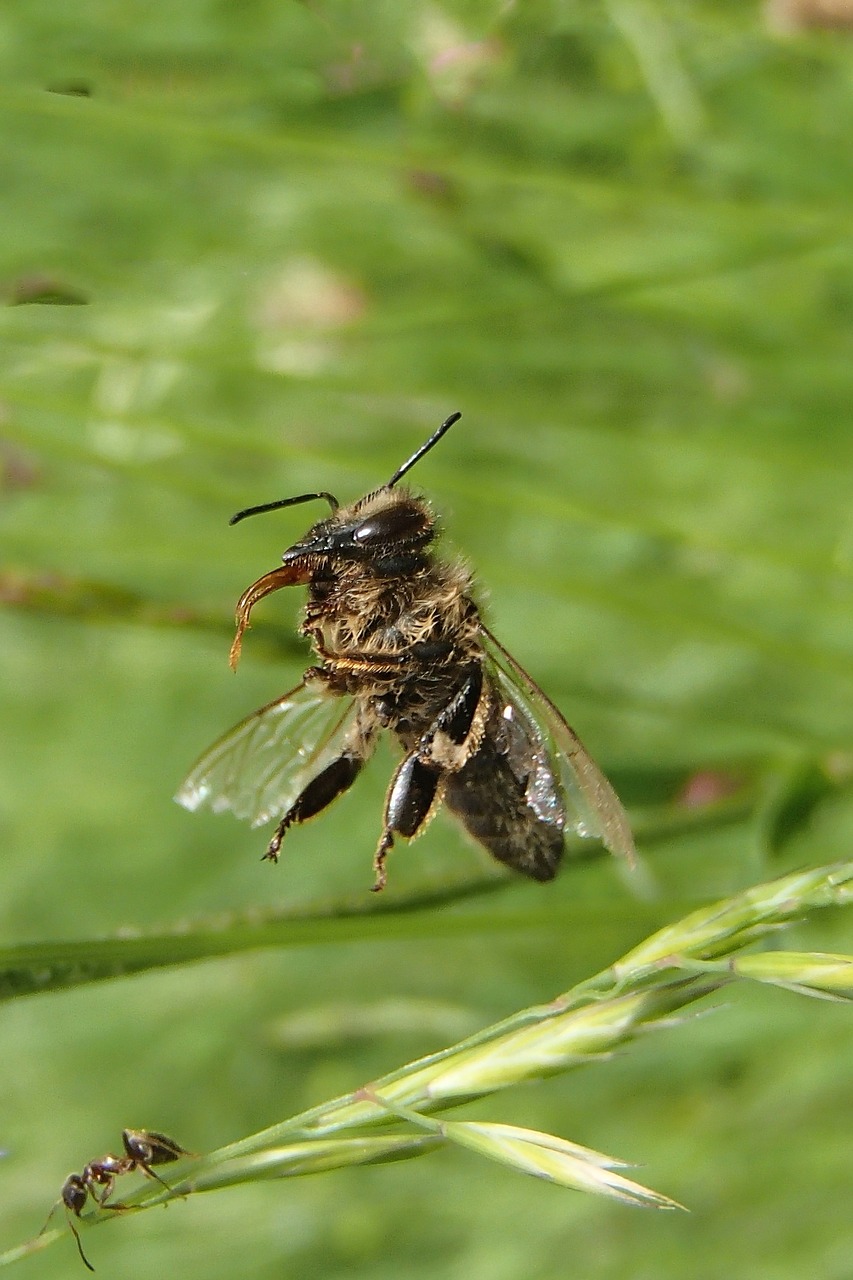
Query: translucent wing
x=591 y=806
x=258 y=768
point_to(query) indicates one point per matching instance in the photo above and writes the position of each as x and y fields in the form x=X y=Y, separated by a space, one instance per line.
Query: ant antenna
x=76 y=1235
x=74 y=1231
x=425 y=448
x=285 y=502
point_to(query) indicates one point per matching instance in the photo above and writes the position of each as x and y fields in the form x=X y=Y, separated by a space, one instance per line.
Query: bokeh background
x=254 y=249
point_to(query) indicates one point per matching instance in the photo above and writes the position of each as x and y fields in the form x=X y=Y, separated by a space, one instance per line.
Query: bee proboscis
x=401 y=647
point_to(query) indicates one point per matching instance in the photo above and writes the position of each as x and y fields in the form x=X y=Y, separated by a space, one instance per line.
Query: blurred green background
x=254 y=249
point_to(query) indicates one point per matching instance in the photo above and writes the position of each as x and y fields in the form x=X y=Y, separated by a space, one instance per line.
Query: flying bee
x=401 y=646
x=143 y=1148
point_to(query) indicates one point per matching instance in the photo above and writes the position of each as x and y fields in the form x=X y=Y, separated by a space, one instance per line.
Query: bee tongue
x=289 y=575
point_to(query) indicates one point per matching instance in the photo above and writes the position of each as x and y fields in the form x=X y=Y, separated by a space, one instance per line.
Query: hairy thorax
x=375 y=633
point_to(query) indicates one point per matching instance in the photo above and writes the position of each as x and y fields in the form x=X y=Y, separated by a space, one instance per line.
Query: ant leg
x=108 y=1186
x=106 y=1180
x=149 y=1173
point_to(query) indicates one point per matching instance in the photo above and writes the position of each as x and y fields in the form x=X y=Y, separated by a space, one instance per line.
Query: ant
x=142 y=1149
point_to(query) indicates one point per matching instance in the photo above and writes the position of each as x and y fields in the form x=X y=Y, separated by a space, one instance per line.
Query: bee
x=142 y=1149
x=401 y=646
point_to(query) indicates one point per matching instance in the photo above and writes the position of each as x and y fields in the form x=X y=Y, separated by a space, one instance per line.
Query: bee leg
x=382 y=850
x=414 y=792
x=418 y=784
x=330 y=783
x=457 y=730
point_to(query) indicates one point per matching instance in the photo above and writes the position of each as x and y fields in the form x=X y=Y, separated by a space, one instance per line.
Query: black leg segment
x=456 y=719
x=332 y=782
x=411 y=796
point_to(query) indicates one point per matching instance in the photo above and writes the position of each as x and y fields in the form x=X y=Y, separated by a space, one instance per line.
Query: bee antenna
x=285 y=502
x=425 y=448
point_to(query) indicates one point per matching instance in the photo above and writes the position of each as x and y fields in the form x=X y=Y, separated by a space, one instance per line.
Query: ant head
x=74 y=1194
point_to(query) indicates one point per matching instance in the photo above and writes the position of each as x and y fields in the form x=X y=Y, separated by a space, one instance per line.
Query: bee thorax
x=426 y=617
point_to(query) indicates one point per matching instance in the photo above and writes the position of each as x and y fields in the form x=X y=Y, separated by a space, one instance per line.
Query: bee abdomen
x=490 y=802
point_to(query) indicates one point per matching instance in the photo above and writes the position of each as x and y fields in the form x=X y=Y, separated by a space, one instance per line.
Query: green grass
x=618 y=239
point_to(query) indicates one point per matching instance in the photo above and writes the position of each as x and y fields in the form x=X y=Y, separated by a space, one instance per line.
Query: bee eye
x=396 y=524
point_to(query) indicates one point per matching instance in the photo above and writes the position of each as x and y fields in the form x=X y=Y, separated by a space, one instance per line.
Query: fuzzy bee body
x=401 y=647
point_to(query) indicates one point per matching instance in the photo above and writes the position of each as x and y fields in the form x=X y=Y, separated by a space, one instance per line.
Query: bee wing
x=592 y=806
x=258 y=768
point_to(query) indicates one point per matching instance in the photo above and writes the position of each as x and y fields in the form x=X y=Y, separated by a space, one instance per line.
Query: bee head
x=388 y=527
x=385 y=525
